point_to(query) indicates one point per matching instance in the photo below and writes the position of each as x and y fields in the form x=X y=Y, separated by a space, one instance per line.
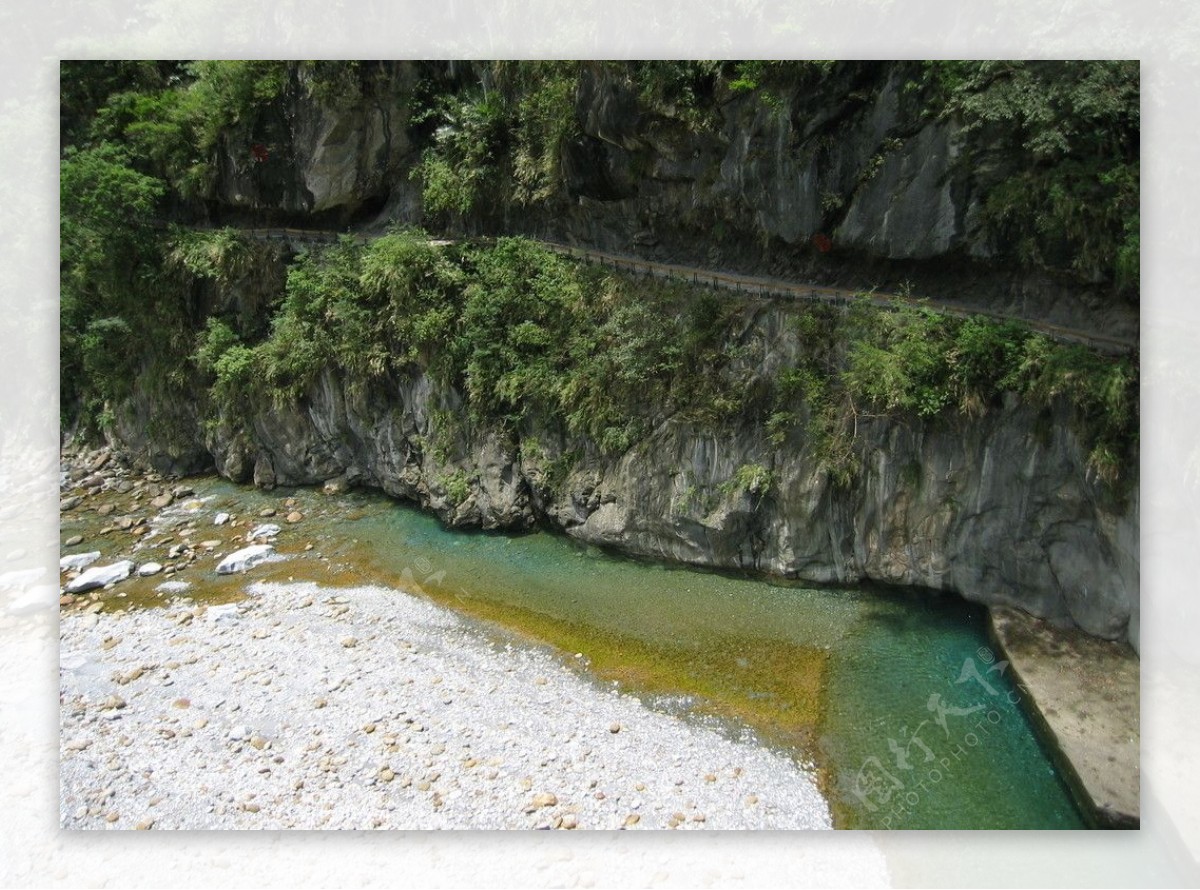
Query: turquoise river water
x=898 y=698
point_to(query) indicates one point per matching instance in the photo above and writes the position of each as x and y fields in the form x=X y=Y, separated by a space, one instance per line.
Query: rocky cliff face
x=999 y=509
x=859 y=165
x=858 y=162
x=320 y=159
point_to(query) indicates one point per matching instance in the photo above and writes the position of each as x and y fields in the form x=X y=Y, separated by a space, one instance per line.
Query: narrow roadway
x=749 y=284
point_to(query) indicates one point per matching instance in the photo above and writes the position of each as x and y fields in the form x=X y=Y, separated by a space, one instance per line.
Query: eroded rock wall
x=320 y=157
x=999 y=508
x=860 y=161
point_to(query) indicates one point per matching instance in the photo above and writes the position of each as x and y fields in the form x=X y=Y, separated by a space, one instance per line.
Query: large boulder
x=101 y=576
x=78 y=560
x=246 y=558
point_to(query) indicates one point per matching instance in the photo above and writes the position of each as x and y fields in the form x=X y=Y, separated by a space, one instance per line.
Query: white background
x=35 y=35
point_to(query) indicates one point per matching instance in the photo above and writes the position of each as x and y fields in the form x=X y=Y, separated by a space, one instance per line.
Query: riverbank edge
x=1083 y=694
x=85 y=461
x=459 y=724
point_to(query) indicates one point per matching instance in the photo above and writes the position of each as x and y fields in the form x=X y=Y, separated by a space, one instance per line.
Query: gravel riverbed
x=359 y=708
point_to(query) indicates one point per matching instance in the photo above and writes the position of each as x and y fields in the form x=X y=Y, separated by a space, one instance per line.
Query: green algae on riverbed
x=896 y=697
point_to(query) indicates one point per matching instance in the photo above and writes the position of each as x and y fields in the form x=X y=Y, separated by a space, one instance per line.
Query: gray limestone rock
x=992 y=508
x=101 y=576
x=78 y=561
x=246 y=558
x=264 y=471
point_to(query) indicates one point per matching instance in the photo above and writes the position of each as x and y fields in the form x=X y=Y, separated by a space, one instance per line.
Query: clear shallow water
x=898 y=698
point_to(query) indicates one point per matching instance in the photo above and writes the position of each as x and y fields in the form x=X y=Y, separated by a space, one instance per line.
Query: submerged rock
x=266 y=530
x=337 y=485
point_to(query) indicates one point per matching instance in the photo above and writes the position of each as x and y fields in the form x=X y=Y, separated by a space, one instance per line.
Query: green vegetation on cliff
x=1054 y=145
x=139 y=142
x=525 y=334
x=919 y=362
x=1068 y=132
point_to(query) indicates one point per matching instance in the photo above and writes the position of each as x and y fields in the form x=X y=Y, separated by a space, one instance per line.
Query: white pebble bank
x=307 y=707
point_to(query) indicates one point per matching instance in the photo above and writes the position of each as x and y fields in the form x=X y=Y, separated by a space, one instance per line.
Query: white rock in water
x=101 y=575
x=150 y=568
x=220 y=519
x=173 y=586
x=266 y=530
x=246 y=558
x=78 y=560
